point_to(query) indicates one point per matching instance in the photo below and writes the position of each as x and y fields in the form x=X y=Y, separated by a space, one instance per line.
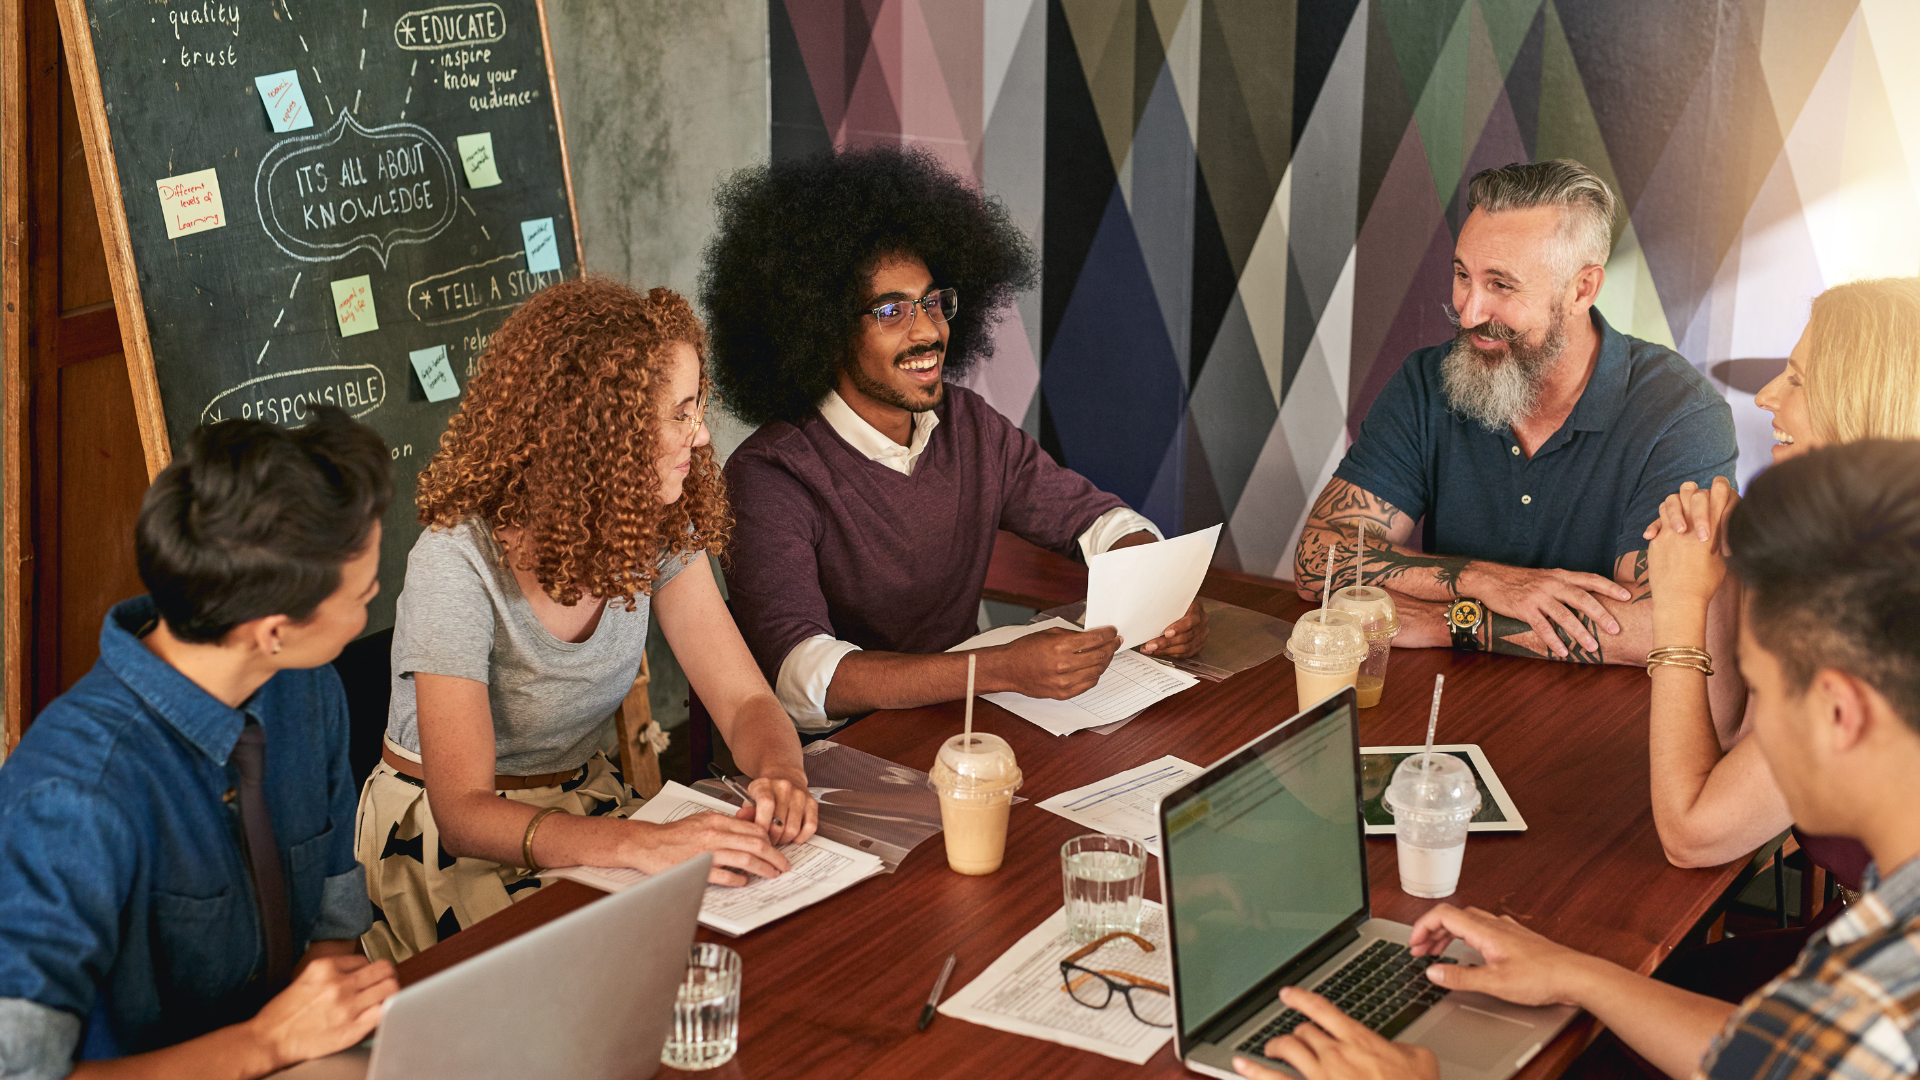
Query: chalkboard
x=320 y=201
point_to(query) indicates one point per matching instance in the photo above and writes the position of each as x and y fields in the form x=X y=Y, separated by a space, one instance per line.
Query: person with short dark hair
x=177 y=881
x=845 y=291
x=1535 y=446
x=1826 y=548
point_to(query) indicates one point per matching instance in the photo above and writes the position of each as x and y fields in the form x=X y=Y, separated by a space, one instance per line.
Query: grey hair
x=1586 y=205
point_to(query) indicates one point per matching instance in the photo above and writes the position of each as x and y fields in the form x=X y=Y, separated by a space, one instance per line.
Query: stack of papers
x=820 y=868
x=1023 y=992
x=1130 y=684
x=1125 y=804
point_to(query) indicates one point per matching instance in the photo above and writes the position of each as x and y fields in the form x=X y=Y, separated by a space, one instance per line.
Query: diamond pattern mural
x=1247 y=207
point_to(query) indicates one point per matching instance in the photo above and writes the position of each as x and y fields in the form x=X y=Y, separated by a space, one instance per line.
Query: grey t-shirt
x=461 y=613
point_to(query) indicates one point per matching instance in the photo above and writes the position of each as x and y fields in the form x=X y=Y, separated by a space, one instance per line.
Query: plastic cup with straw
x=1433 y=798
x=1326 y=646
x=975 y=777
x=1378 y=618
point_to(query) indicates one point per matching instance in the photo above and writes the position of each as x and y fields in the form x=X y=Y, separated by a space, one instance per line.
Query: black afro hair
x=786 y=275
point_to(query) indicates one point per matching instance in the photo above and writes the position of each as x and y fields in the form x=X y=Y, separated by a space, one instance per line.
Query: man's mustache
x=934 y=347
x=1492 y=329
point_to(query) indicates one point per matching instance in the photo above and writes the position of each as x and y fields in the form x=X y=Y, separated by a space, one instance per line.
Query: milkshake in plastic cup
x=1326 y=649
x=1378 y=619
x=1432 y=797
x=975 y=781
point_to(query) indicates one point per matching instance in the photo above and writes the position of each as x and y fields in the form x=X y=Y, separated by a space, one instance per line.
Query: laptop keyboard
x=1384 y=987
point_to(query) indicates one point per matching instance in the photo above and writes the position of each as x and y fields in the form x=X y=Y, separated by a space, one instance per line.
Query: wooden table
x=835 y=990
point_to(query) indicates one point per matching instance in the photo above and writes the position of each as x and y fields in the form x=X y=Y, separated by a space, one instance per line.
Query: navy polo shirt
x=127 y=916
x=1646 y=423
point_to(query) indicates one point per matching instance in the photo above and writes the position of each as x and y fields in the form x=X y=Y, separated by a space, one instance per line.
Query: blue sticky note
x=286 y=104
x=543 y=247
x=436 y=374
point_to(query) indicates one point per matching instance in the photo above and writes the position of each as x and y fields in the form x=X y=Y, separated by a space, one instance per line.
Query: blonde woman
x=1855 y=374
x=573 y=495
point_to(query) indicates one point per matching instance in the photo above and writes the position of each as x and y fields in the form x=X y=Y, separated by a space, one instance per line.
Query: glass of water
x=1104 y=878
x=706 y=1014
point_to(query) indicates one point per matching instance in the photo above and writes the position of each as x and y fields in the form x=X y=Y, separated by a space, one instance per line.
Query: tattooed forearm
x=1510 y=636
x=1389 y=566
x=1642 y=587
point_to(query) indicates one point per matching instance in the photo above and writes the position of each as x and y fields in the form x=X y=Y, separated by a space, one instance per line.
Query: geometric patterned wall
x=1247 y=207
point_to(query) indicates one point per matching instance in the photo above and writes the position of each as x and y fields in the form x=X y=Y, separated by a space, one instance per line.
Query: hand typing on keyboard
x=1327 y=1044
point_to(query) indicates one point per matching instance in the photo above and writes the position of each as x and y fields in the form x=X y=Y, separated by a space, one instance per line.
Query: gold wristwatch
x=1464 y=618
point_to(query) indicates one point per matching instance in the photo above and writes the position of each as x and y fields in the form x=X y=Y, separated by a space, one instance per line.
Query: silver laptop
x=1265 y=881
x=588 y=996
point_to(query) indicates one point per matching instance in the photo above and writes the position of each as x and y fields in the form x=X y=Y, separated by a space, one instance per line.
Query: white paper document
x=1024 y=993
x=1131 y=683
x=1125 y=804
x=1142 y=590
x=820 y=868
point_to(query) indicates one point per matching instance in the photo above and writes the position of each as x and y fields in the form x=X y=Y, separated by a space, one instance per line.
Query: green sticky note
x=353 y=305
x=476 y=159
x=436 y=374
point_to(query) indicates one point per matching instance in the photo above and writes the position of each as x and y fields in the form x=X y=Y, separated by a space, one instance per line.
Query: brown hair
x=558 y=437
x=1863 y=361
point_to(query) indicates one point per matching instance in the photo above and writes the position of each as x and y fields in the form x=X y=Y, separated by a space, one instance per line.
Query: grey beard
x=1498 y=392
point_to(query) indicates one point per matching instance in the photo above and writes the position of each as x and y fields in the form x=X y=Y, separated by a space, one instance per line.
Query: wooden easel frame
x=14 y=407
x=103 y=173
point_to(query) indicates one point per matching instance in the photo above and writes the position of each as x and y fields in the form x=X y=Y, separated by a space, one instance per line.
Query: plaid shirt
x=1847 y=1008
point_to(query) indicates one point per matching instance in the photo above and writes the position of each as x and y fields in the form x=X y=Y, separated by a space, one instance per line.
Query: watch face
x=1464 y=614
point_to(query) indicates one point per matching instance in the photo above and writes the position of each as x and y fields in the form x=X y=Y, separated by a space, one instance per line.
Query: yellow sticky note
x=476 y=159
x=353 y=305
x=191 y=203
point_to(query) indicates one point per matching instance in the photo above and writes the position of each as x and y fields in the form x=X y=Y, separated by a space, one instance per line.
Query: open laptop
x=588 y=996
x=1264 y=874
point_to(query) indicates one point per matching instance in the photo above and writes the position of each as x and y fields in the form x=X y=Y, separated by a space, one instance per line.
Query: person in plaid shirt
x=1828 y=548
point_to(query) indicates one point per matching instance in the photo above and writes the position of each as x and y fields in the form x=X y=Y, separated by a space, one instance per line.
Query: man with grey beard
x=1536 y=446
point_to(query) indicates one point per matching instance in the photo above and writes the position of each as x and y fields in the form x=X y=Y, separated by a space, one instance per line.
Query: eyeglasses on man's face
x=688 y=423
x=898 y=316
x=1150 y=1002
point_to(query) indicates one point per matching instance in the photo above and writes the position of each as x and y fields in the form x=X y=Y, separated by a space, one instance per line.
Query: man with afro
x=843 y=291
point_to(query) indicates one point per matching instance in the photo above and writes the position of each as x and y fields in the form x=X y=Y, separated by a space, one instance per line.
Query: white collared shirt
x=808 y=668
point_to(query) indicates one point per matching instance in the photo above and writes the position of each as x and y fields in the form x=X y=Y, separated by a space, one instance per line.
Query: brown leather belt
x=411 y=770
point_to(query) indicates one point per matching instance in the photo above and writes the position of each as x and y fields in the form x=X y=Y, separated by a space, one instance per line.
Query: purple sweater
x=828 y=542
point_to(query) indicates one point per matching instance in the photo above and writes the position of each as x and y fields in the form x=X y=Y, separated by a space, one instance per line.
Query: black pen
x=738 y=790
x=933 y=999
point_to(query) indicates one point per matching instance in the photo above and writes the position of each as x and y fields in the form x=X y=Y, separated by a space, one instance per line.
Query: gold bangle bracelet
x=526 y=842
x=1688 y=663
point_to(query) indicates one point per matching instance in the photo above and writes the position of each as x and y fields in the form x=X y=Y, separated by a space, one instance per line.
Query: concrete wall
x=662 y=98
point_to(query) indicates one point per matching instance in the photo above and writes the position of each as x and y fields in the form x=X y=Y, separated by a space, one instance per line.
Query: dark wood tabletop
x=835 y=990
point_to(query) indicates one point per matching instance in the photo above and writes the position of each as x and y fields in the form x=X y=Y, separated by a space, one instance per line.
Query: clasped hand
x=1686 y=556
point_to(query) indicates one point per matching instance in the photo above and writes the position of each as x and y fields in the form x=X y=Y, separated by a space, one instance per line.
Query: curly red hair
x=558 y=437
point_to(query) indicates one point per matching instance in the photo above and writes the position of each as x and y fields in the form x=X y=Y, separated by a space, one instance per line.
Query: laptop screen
x=1266 y=856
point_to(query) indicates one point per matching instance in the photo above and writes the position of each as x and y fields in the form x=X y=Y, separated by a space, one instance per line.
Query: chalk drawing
x=450 y=27
x=283 y=397
x=315 y=218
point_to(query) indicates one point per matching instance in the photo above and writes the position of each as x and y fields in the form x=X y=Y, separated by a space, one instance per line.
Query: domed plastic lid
x=984 y=766
x=1437 y=784
x=1373 y=607
x=1327 y=641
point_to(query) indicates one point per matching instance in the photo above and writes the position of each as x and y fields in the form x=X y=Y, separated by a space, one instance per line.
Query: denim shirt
x=127 y=915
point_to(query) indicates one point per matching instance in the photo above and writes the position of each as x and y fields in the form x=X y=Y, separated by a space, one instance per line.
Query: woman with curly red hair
x=572 y=493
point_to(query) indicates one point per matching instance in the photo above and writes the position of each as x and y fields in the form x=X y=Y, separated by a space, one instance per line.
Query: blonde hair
x=1863 y=361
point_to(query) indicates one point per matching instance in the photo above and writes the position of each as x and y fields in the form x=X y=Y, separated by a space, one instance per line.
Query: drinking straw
x=1359 y=551
x=968 y=741
x=1326 y=594
x=1433 y=721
